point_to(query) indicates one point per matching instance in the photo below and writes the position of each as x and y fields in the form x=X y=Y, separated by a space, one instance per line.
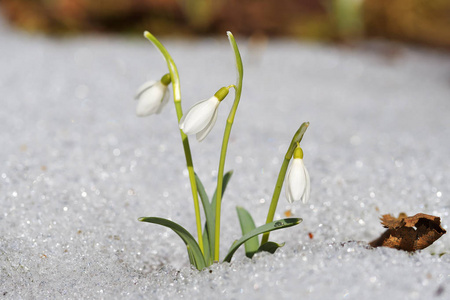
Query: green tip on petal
x=166 y=79
x=222 y=93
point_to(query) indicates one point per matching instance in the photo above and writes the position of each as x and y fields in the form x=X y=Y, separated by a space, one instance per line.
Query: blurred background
x=425 y=22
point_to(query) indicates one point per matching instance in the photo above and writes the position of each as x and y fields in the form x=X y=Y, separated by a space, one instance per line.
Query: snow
x=78 y=168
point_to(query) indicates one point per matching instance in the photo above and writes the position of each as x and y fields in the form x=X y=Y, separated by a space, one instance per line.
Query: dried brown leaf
x=409 y=233
x=391 y=222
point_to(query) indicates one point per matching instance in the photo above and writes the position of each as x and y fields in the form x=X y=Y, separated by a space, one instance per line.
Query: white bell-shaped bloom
x=152 y=96
x=200 y=119
x=298 y=184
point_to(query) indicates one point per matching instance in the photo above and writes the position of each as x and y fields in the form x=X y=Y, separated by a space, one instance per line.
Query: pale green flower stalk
x=298 y=136
x=187 y=151
x=226 y=136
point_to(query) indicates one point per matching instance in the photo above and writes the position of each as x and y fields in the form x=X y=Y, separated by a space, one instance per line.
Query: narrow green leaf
x=191 y=244
x=210 y=209
x=215 y=235
x=247 y=225
x=275 y=225
x=209 y=214
x=270 y=247
x=206 y=247
x=191 y=256
x=201 y=190
x=226 y=179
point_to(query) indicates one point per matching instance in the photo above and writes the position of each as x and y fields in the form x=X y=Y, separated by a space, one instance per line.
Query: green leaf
x=191 y=256
x=247 y=225
x=275 y=225
x=206 y=247
x=270 y=247
x=195 y=254
x=210 y=210
x=201 y=191
x=226 y=179
x=209 y=215
x=212 y=222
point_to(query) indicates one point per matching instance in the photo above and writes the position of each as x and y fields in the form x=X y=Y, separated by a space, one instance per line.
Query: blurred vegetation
x=418 y=21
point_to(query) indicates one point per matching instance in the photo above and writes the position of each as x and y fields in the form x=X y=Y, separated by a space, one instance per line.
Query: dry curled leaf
x=409 y=233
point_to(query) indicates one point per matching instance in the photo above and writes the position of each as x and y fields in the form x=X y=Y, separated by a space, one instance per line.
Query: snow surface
x=78 y=168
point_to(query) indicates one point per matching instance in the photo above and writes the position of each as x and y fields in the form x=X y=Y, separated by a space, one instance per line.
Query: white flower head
x=152 y=96
x=298 y=184
x=201 y=117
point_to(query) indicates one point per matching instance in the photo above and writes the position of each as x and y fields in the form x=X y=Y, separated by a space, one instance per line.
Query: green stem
x=298 y=136
x=187 y=150
x=226 y=137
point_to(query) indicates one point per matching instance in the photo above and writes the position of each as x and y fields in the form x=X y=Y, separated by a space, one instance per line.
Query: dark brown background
x=415 y=21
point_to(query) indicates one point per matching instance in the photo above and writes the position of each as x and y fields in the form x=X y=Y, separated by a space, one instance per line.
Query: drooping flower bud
x=298 y=184
x=152 y=96
x=201 y=117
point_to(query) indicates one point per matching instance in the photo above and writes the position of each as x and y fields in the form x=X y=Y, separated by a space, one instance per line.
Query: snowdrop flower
x=152 y=96
x=298 y=184
x=200 y=119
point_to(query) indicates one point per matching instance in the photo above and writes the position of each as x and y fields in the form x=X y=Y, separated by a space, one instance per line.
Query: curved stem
x=298 y=136
x=226 y=137
x=187 y=150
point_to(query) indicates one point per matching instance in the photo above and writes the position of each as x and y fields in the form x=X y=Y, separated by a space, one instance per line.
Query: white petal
x=296 y=181
x=143 y=87
x=202 y=134
x=287 y=185
x=305 y=197
x=199 y=116
x=149 y=100
x=164 y=101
